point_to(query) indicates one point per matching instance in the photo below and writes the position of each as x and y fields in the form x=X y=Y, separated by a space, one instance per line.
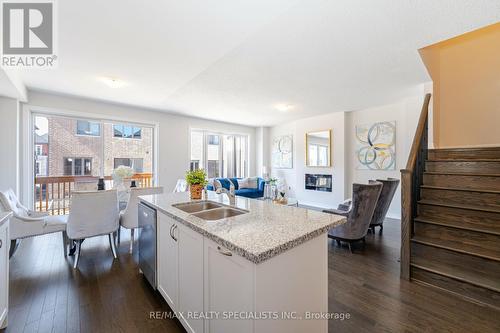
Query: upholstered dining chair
x=93 y=214
x=27 y=223
x=359 y=216
x=384 y=201
x=129 y=217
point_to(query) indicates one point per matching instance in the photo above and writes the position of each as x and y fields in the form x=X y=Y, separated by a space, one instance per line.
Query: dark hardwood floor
x=47 y=295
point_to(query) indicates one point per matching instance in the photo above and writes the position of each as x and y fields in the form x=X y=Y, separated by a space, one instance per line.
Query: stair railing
x=411 y=180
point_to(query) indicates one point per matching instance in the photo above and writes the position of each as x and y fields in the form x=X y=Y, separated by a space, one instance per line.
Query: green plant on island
x=196 y=177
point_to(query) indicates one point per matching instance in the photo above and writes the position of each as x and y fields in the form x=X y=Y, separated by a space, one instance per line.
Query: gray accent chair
x=359 y=216
x=384 y=201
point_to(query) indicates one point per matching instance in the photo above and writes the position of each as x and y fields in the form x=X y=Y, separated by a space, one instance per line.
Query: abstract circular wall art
x=282 y=152
x=376 y=146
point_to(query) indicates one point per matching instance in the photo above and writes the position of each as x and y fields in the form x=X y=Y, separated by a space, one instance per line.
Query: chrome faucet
x=230 y=194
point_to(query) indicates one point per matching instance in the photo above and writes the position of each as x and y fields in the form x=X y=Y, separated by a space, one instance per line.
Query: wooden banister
x=411 y=180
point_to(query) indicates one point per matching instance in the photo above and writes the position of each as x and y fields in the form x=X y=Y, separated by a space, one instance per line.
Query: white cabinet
x=167 y=260
x=180 y=271
x=190 y=250
x=200 y=278
x=229 y=289
x=4 y=272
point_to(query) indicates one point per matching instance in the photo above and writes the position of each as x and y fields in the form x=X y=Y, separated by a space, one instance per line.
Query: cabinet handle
x=173 y=229
x=1 y=243
x=224 y=252
x=171 y=236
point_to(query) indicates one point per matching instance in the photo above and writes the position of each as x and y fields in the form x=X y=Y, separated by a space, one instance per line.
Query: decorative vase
x=196 y=191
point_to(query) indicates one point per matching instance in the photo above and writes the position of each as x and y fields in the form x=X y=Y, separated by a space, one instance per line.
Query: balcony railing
x=53 y=194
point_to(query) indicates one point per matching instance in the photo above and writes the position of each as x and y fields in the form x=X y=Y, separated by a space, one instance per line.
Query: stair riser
x=462 y=166
x=459 y=181
x=478 y=294
x=485 y=241
x=468 y=198
x=461 y=217
x=465 y=154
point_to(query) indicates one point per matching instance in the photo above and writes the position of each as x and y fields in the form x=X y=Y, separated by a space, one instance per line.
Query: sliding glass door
x=221 y=155
x=70 y=151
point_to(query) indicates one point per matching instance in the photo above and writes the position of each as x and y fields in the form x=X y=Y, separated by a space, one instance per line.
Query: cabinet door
x=190 y=276
x=4 y=273
x=229 y=288
x=167 y=262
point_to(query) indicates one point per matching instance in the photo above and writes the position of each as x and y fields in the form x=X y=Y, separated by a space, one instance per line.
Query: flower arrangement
x=196 y=179
x=123 y=172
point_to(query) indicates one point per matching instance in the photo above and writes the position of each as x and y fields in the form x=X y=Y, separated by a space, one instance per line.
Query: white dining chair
x=181 y=186
x=27 y=223
x=93 y=214
x=129 y=216
x=86 y=186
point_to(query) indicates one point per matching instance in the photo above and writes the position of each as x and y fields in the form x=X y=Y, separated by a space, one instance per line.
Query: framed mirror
x=318 y=149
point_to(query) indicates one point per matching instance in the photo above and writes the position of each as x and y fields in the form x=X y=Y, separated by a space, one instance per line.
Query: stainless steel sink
x=193 y=207
x=219 y=213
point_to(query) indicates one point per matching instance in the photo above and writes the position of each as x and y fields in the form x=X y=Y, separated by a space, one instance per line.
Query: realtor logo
x=28 y=34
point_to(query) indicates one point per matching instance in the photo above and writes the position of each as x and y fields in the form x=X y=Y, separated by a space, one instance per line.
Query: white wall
x=9 y=136
x=173 y=131
x=262 y=150
x=295 y=178
x=405 y=112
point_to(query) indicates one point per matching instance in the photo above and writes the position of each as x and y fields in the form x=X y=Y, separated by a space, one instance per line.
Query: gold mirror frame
x=329 y=165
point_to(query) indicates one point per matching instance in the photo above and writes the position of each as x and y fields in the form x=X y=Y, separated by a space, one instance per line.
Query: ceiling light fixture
x=113 y=82
x=283 y=107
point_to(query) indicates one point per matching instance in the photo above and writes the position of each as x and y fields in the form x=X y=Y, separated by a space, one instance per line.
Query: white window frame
x=204 y=161
x=29 y=111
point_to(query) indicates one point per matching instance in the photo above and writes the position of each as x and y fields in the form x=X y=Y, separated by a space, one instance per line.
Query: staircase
x=450 y=218
x=455 y=243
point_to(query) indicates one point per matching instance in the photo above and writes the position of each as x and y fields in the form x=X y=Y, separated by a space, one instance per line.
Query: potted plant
x=196 y=179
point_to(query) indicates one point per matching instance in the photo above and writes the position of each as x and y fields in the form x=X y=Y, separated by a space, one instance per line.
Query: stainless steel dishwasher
x=147 y=242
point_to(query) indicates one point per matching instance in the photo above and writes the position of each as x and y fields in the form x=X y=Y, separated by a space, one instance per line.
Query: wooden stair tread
x=458 y=247
x=464 y=160
x=431 y=221
x=458 y=273
x=461 y=206
x=462 y=174
x=460 y=189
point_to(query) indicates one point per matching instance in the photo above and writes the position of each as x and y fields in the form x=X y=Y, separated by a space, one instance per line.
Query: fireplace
x=321 y=183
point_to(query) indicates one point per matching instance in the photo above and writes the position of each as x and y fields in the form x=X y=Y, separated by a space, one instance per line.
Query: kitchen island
x=255 y=266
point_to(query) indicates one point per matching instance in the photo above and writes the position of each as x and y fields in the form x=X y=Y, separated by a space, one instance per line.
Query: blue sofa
x=244 y=192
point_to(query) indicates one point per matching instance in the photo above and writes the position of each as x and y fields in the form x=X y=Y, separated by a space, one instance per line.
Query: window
x=194 y=165
x=79 y=166
x=84 y=127
x=221 y=155
x=213 y=170
x=127 y=132
x=38 y=150
x=213 y=139
x=134 y=163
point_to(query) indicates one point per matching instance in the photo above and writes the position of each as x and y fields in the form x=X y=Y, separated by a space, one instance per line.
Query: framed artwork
x=282 y=152
x=376 y=146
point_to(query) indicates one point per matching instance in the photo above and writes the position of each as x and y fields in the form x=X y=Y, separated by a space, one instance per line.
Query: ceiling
x=235 y=60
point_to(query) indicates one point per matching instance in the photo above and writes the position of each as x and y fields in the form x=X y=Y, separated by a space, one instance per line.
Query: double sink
x=209 y=210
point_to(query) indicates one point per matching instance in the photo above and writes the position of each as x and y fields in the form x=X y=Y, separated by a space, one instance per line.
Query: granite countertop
x=4 y=216
x=267 y=230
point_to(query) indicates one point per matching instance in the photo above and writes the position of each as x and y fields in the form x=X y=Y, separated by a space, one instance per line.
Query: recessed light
x=283 y=107
x=113 y=82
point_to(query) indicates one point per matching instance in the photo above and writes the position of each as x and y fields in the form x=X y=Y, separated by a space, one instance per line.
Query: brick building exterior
x=71 y=153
